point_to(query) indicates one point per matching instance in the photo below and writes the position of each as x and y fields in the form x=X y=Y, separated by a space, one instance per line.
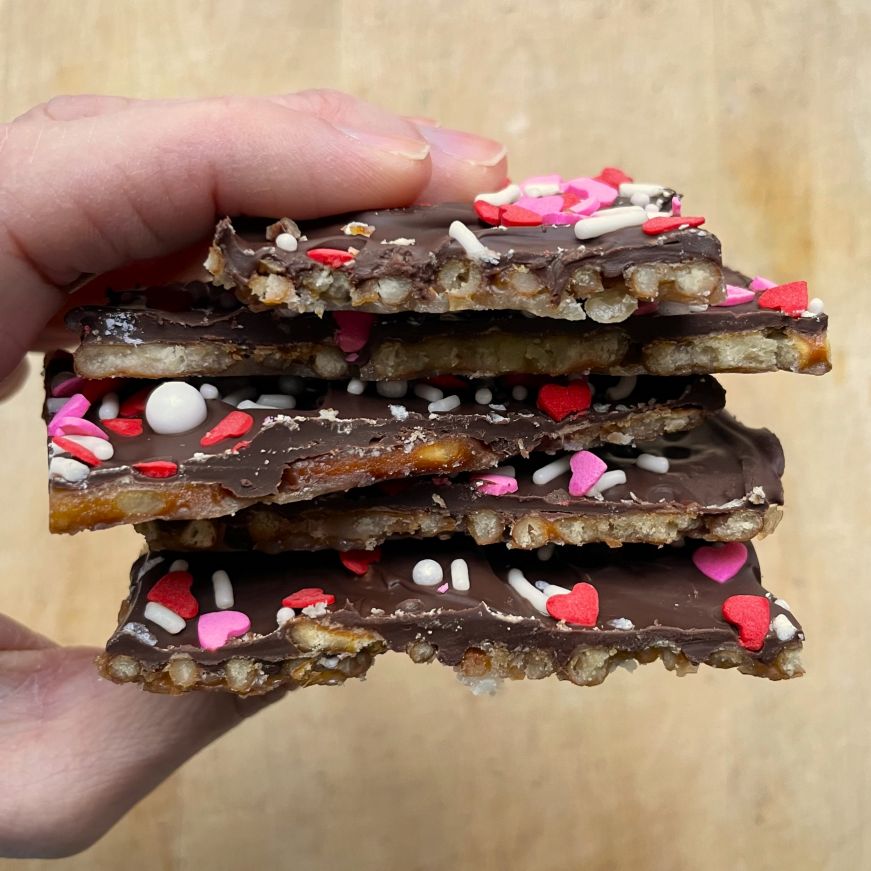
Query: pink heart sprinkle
x=586 y=206
x=736 y=296
x=589 y=187
x=495 y=485
x=760 y=283
x=68 y=386
x=353 y=330
x=541 y=205
x=587 y=468
x=79 y=426
x=75 y=406
x=721 y=562
x=443 y=588
x=541 y=180
x=560 y=218
x=215 y=628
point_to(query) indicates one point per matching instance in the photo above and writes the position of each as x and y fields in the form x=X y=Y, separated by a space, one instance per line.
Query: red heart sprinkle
x=156 y=468
x=655 y=226
x=447 y=382
x=558 y=401
x=96 y=390
x=332 y=257
x=517 y=216
x=613 y=177
x=173 y=591
x=240 y=446
x=127 y=428
x=752 y=616
x=580 y=607
x=358 y=561
x=134 y=405
x=235 y=424
x=487 y=213
x=789 y=298
x=570 y=198
x=308 y=596
x=76 y=450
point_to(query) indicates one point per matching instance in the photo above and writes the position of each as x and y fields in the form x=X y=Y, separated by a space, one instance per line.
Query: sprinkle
x=783 y=604
x=427 y=573
x=518 y=582
x=164 y=618
x=519 y=392
x=399 y=412
x=760 y=283
x=100 y=448
x=460 y=575
x=234 y=425
x=627 y=189
x=179 y=565
x=607 y=481
x=443 y=588
x=495 y=485
x=68 y=469
x=815 y=306
x=286 y=241
x=173 y=591
x=216 y=628
x=358 y=228
x=402 y=240
x=127 y=427
x=284 y=615
x=79 y=426
x=491 y=215
x=80 y=452
x=592 y=227
x=783 y=628
x=789 y=298
x=541 y=190
x=240 y=395
x=640 y=199
x=353 y=329
x=720 y=562
x=545 y=205
x=751 y=614
x=471 y=244
x=54 y=404
x=613 y=177
x=428 y=392
x=736 y=295
x=331 y=257
x=559 y=401
x=356 y=387
x=175 y=407
x=156 y=468
x=276 y=400
x=504 y=197
x=517 y=216
x=358 y=561
x=108 y=407
x=551 y=471
x=209 y=391
x=546 y=553
x=622 y=388
x=140 y=632
x=587 y=471
x=61 y=380
x=316 y=610
x=391 y=389
x=652 y=463
x=223 y=589
x=676 y=205
x=449 y=403
x=76 y=406
x=483 y=396
x=307 y=596
x=591 y=187
x=291 y=384
x=134 y=405
x=665 y=224
x=580 y=607
x=551 y=589
x=621 y=623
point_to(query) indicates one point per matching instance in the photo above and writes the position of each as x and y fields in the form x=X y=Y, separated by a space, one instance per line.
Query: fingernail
x=476 y=150
x=412 y=149
x=423 y=120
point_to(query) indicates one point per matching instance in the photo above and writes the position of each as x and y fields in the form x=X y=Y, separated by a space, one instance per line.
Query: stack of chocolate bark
x=481 y=433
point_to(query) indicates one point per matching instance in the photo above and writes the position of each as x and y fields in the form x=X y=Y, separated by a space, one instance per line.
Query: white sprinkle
x=471 y=244
x=519 y=392
x=616 y=210
x=284 y=615
x=54 y=403
x=108 y=407
x=545 y=553
x=164 y=618
x=497 y=407
x=590 y=228
x=69 y=469
x=209 y=391
x=698 y=307
x=429 y=392
x=449 y=403
x=815 y=306
x=627 y=189
x=783 y=604
x=402 y=240
x=316 y=610
x=607 y=481
x=653 y=210
x=460 y=574
x=400 y=412
x=553 y=590
x=239 y=395
x=175 y=407
x=783 y=628
x=223 y=590
x=286 y=242
x=391 y=389
x=639 y=198
x=249 y=403
x=179 y=565
x=427 y=573
x=517 y=581
x=276 y=400
x=622 y=388
x=100 y=448
x=509 y=194
x=541 y=190
x=140 y=633
x=652 y=463
x=621 y=623
x=356 y=386
x=291 y=384
x=483 y=396
x=358 y=228
x=551 y=471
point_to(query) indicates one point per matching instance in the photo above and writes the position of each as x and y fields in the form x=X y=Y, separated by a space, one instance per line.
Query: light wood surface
x=761 y=114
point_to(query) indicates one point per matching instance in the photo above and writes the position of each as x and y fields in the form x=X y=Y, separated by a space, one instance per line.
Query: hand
x=88 y=184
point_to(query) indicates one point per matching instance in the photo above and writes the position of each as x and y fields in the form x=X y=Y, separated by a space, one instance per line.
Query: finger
x=15 y=636
x=10 y=385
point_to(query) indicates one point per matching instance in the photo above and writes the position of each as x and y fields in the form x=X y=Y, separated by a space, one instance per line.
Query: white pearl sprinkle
x=607 y=481
x=427 y=573
x=509 y=194
x=69 y=469
x=622 y=388
x=356 y=386
x=286 y=242
x=391 y=389
x=284 y=615
x=223 y=590
x=179 y=565
x=783 y=628
x=460 y=574
x=471 y=244
x=209 y=391
x=518 y=582
x=519 y=392
x=175 y=407
x=108 y=407
x=815 y=306
x=429 y=392
x=164 y=618
x=449 y=403
x=639 y=198
x=483 y=396
x=652 y=463
x=551 y=471
x=276 y=400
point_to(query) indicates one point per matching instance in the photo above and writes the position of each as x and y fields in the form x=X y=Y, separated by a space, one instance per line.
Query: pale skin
x=87 y=185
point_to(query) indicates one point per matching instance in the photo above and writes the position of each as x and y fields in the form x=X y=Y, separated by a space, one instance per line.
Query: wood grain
x=761 y=114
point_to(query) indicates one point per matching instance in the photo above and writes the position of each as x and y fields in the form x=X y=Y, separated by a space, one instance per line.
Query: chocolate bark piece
x=333 y=441
x=722 y=484
x=409 y=262
x=652 y=604
x=143 y=341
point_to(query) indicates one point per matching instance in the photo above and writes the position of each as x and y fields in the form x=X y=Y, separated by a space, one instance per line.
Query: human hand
x=88 y=184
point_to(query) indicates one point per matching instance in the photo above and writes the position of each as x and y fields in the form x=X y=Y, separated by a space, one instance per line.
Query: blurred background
x=760 y=114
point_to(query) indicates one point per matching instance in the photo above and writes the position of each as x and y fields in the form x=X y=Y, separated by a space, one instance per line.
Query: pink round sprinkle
x=736 y=296
x=587 y=468
x=75 y=406
x=495 y=485
x=79 y=426
x=353 y=330
x=760 y=283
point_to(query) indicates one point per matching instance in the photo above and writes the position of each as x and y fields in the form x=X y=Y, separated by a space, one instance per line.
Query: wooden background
x=760 y=112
